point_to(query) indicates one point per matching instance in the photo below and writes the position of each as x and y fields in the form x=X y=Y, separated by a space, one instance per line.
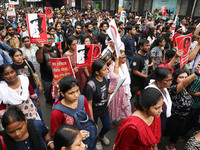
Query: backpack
x=81 y=118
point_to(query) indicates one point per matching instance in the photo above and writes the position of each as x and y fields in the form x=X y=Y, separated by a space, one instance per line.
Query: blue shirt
x=5 y=46
x=5 y=58
x=129 y=46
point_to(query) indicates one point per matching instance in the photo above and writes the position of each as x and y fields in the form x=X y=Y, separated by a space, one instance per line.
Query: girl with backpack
x=96 y=91
x=156 y=51
x=67 y=111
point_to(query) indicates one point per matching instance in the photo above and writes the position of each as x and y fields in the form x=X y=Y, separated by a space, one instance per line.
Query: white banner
x=14 y=2
x=114 y=35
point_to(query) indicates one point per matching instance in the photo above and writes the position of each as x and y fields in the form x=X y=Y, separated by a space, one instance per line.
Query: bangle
x=197 y=73
x=50 y=143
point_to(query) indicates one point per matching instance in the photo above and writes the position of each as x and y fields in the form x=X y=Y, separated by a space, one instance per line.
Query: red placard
x=183 y=43
x=163 y=8
x=61 y=67
x=96 y=52
x=83 y=55
x=58 y=44
x=37 y=27
x=49 y=12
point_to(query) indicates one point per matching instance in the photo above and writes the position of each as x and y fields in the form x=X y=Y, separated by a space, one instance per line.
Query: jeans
x=129 y=61
x=106 y=124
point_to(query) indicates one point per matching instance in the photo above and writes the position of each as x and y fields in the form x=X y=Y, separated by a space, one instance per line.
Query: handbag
x=36 y=78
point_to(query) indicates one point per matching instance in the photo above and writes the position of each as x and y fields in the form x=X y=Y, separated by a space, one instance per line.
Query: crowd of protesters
x=166 y=98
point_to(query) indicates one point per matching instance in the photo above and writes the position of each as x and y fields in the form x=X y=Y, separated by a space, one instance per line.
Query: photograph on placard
x=96 y=52
x=37 y=27
x=83 y=55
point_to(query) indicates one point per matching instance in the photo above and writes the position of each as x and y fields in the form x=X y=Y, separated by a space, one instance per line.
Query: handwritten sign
x=61 y=67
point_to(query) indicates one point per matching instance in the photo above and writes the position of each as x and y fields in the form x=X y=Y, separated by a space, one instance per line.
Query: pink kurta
x=120 y=106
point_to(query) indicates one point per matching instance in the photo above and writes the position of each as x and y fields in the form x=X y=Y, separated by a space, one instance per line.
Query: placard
x=49 y=12
x=10 y=10
x=61 y=67
x=83 y=55
x=37 y=27
x=183 y=43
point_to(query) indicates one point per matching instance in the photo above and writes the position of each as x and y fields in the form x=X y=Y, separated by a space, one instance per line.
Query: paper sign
x=14 y=2
x=163 y=8
x=122 y=16
x=83 y=55
x=121 y=81
x=96 y=52
x=49 y=12
x=73 y=3
x=37 y=27
x=183 y=43
x=10 y=10
x=61 y=67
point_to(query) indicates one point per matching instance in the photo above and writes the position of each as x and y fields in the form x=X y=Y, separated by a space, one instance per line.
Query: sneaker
x=105 y=140
x=167 y=148
x=99 y=146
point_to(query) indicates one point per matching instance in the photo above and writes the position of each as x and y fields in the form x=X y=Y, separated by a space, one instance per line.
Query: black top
x=139 y=63
x=45 y=66
x=102 y=39
x=98 y=93
x=24 y=69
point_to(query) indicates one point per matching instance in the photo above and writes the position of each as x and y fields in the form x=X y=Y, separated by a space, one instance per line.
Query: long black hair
x=149 y=97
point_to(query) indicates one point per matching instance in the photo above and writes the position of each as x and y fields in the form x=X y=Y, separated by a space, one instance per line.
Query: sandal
x=105 y=140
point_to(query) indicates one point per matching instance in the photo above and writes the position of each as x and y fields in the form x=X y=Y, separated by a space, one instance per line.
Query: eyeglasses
x=168 y=81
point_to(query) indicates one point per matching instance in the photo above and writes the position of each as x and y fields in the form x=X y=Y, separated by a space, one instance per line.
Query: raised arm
x=182 y=85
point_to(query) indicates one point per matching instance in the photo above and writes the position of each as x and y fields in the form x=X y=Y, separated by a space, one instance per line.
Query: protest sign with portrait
x=49 y=12
x=83 y=55
x=37 y=27
x=183 y=43
x=10 y=10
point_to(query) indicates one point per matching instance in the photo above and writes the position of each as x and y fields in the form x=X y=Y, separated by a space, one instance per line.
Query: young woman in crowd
x=157 y=51
x=24 y=67
x=96 y=92
x=80 y=73
x=161 y=79
x=168 y=40
x=69 y=92
x=20 y=133
x=68 y=138
x=15 y=91
x=159 y=30
x=181 y=104
x=142 y=130
x=120 y=106
x=151 y=35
